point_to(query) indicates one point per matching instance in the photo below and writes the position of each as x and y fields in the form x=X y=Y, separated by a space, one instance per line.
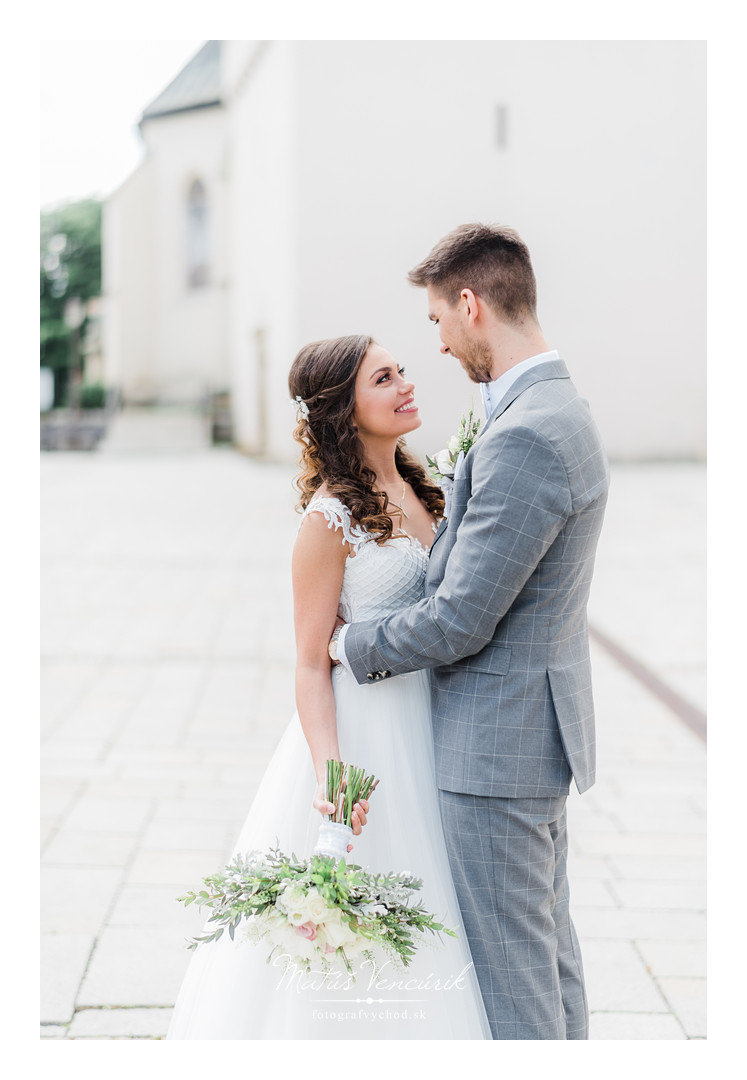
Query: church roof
x=197 y=86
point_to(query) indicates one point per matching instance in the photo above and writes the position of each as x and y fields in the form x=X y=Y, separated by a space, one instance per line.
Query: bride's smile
x=384 y=398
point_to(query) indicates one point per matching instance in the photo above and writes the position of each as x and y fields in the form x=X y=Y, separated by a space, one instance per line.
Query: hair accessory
x=303 y=408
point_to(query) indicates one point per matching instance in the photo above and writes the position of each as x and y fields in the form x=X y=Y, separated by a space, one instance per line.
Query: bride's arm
x=318 y=568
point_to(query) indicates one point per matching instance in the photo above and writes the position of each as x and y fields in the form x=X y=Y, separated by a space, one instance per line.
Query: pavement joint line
x=610 y=887
x=108 y=1008
x=55 y=830
x=670 y=1007
x=105 y=921
x=655 y=979
x=83 y=689
x=614 y=879
x=694 y=718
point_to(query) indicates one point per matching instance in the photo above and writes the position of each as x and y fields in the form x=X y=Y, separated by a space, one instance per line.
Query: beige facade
x=331 y=168
x=165 y=262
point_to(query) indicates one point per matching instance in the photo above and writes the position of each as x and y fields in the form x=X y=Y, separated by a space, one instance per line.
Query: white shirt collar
x=494 y=392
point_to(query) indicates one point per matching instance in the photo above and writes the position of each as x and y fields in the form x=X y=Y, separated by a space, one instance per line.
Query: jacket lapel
x=439 y=533
x=553 y=369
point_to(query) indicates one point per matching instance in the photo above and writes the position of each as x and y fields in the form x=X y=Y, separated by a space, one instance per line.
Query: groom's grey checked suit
x=503 y=627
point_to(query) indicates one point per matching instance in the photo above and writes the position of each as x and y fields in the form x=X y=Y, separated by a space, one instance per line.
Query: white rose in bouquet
x=292 y=901
x=316 y=906
x=288 y=939
x=358 y=945
x=337 y=933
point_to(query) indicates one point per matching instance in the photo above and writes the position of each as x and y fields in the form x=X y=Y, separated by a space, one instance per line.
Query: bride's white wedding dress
x=229 y=991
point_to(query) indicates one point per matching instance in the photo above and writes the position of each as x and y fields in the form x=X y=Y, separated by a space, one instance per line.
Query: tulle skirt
x=230 y=992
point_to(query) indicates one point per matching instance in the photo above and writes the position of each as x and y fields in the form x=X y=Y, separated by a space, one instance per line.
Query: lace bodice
x=379 y=579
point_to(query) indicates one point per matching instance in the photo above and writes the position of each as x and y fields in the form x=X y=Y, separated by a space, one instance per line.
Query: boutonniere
x=443 y=463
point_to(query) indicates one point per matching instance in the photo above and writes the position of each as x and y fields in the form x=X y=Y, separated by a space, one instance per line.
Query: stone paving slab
x=687 y=1000
x=618 y=981
x=64 y=957
x=168 y=680
x=674 y=959
x=128 y=1023
x=134 y=966
x=75 y=899
x=149 y=904
x=622 y=1026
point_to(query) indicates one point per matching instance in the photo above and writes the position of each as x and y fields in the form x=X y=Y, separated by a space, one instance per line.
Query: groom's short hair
x=491 y=260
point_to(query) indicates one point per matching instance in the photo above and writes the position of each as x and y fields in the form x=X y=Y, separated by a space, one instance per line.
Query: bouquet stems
x=345 y=786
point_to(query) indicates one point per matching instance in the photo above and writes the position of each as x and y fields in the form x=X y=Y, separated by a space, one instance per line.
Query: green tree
x=70 y=266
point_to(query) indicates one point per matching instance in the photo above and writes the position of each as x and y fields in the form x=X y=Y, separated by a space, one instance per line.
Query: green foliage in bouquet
x=316 y=909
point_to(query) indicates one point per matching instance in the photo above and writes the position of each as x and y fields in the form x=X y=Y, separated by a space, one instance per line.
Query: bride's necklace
x=401 y=507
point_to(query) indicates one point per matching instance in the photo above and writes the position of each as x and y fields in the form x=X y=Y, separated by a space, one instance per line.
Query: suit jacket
x=503 y=621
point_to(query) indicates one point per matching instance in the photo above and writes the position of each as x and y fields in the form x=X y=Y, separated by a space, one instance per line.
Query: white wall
x=603 y=174
x=164 y=340
x=264 y=268
x=191 y=339
x=337 y=165
x=128 y=285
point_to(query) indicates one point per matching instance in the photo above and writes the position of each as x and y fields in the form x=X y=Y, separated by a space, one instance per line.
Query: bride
x=369 y=515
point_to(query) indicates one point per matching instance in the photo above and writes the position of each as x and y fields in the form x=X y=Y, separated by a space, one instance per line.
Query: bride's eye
x=387 y=375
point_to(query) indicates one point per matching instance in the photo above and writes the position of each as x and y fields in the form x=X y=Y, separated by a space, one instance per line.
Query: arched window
x=197 y=236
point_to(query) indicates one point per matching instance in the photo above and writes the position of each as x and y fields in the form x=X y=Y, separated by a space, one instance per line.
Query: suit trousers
x=508 y=858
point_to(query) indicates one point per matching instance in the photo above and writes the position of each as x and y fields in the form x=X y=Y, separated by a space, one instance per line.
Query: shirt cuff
x=341 y=648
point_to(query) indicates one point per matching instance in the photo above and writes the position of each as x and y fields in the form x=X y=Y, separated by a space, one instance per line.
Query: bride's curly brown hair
x=323 y=376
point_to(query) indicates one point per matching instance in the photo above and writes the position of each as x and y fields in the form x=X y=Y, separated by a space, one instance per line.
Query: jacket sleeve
x=519 y=502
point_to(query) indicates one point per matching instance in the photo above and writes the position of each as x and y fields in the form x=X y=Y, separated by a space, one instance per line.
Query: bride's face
x=384 y=398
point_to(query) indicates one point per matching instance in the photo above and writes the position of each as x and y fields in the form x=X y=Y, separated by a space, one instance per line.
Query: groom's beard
x=476 y=359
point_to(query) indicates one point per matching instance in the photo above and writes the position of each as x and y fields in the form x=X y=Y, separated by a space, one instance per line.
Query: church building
x=287 y=187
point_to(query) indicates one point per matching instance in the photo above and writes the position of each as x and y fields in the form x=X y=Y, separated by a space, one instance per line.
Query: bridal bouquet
x=318 y=909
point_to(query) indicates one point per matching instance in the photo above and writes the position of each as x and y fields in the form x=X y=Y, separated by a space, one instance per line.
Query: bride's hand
x=320 y=803
x=358 y=818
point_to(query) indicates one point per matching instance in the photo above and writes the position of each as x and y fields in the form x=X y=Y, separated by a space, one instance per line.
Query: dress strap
x=338 y=517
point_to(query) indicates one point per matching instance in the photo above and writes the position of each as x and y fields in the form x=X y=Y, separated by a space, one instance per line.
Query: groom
x=503 y=627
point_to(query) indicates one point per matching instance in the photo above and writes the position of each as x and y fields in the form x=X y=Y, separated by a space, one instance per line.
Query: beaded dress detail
x=379 y=579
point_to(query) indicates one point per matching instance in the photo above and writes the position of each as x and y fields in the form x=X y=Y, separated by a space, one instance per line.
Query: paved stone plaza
x=167 y=679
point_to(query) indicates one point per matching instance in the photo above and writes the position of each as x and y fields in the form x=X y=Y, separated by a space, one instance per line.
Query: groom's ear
x=470 y=305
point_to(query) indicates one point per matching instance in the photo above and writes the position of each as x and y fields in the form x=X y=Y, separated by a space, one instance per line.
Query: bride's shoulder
x=336 y=517
x=324 y=502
